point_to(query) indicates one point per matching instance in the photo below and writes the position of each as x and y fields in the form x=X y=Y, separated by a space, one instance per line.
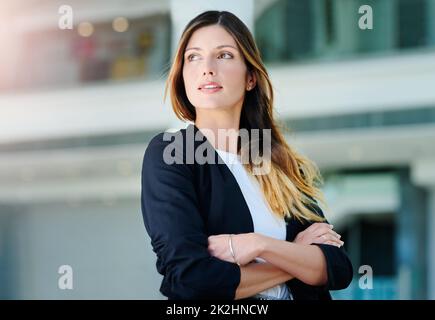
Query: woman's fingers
x=335 y=234
x=333 y=243
x=329 y=239
x=320 y=233
x=320 y=230
x=319 y=225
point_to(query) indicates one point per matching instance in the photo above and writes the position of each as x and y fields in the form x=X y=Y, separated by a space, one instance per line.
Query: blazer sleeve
x=174 y=223
x=338 y=264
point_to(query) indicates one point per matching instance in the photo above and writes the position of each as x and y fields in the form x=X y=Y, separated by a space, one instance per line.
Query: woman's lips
x=212 y=90
x=210 y=87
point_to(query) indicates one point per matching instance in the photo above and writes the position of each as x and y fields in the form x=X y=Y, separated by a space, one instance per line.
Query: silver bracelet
x=230 y=242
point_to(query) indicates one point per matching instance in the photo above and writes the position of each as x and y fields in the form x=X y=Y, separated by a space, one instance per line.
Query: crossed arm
x=284 y=260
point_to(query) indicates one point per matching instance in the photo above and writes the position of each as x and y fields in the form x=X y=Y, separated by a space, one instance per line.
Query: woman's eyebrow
x=218 y=47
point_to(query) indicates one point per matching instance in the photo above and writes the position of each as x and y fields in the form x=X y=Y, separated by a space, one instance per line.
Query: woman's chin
x=212 y=107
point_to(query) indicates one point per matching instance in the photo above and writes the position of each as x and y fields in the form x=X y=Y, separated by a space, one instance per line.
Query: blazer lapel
x=236 y=217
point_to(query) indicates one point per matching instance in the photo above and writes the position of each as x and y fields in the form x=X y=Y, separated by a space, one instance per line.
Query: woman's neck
x=220 y=129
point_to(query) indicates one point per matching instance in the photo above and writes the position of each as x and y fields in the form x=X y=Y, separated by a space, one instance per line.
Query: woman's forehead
x=211 y=37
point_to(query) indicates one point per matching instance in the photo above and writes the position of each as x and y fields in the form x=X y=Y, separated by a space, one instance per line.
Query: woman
x=219 y=230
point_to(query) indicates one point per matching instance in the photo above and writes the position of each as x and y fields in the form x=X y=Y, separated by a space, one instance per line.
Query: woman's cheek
x=189 y=84
x=236 y=76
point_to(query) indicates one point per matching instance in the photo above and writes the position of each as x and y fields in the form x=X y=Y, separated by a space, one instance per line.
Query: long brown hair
x=293 y=183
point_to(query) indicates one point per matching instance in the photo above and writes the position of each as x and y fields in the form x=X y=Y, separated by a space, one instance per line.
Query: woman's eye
x=227 y=54
x=191 y=56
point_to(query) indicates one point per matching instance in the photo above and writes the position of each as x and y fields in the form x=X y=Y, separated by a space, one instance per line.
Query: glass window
x=292 y=30
x=50 y=58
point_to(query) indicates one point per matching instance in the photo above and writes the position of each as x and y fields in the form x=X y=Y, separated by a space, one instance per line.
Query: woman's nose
x=209 y=68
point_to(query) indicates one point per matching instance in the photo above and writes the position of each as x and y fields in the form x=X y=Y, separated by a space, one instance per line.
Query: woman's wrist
x=260 y=243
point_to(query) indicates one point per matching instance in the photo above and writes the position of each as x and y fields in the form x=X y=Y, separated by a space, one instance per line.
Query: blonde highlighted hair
x=292 y=186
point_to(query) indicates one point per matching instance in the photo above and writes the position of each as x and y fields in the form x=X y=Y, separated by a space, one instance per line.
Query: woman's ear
x=251 y=81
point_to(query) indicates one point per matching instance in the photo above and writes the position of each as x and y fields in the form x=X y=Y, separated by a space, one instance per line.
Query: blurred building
x=77 y=108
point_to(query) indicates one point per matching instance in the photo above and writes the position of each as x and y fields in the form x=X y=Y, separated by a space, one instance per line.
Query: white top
x=265 y=222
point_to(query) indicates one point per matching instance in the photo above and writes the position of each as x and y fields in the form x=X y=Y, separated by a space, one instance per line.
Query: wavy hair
x=292 y=185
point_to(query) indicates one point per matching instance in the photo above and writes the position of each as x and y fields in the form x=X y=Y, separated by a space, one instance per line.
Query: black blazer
x=183 y=204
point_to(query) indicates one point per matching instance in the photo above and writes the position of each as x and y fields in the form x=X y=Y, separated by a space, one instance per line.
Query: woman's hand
x=245 y=247
x=319 y=233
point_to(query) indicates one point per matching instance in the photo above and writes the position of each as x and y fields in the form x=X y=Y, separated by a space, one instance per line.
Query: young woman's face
x=212 y=56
